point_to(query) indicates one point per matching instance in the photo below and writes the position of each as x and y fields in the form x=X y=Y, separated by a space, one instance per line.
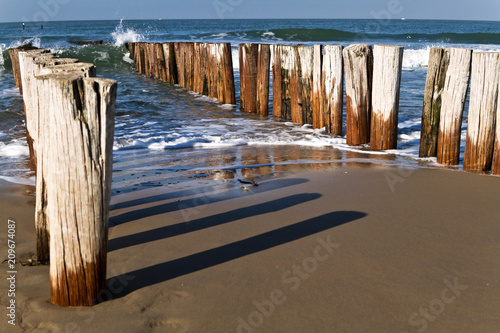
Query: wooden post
x=142 y=63
x=387 y=66
x=14 y=57
x=358 y=68
x=27 y=69
x=131 y=49
x=496 y=153
x=284 y=80
x=332 y=86
x=41 y=221
x=431 y=111
x=452 y=105
x=263 y=65
x=248 y=56
x=302 y=104
x=76 y=169
x=160 y=62
x=170 y=63
x=184 y=56
x=483 y=111
x=318 y=120
x=228 y=74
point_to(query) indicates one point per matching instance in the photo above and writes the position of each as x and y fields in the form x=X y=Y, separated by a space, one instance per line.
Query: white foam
x=416 y=58
x=13 y=150
x=122 y=35
x=409 y=123
x=18 y=180
x=236 y=59
x=2 y=61
x=35 y=41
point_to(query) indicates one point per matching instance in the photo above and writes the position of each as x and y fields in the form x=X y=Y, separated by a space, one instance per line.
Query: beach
x=351 y=249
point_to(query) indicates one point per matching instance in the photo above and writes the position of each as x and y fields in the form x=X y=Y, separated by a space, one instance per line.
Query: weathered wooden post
x=284 y=80
x=318 y=119
x=14 y=57
x=184 y=56
x=452 y=105
x=483 y=111
x=431 y=111
x=27 y=69
x=49 y=66
x=142 y=57
x=302 y=103
x=76 y=169
x=254 y=77
x=358 y=60
x=248 y=56
x=263 y=66
x=496 y=154
x=160 y=62
x=332 y=86
x=170 y=64
x=387 y=66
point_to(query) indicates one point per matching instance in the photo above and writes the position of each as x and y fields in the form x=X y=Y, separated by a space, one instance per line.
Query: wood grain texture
x=170 y=63
x=318 y=119
x=75 y=178
x=358 y=68
x=333 y=90
x=41 y=222
x=14 y=58
x=452 y=106
x=28 y=70
x=483 y=111
x=387 y=66
x=431 y=110
x=263 y=69
x=248 y=56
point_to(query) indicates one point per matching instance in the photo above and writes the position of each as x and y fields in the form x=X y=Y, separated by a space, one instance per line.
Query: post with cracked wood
x=332 y=77
x=452 y=105
x=387 y=66
x=431 y=111
x=80 y=112
x=358 y=68
x=27 y=67
x=254 y=77
x=42 y=227
x=483 y=111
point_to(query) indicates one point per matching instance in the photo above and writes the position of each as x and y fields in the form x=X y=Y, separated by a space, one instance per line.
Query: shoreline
x=374 y=249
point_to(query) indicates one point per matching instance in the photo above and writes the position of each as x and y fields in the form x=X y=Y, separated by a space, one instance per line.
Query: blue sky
x=56 y=10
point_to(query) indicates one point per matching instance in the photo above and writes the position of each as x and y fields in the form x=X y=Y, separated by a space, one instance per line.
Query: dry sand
x=354 y=249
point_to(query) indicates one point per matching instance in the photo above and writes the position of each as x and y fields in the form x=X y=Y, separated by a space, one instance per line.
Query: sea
x=165 y=134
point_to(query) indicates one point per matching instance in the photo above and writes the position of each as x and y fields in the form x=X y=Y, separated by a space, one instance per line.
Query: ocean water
x=164 y=132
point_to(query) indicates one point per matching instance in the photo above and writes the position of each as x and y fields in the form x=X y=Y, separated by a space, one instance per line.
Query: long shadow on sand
x=169 y=270
x=210 y=221
x=202 y=199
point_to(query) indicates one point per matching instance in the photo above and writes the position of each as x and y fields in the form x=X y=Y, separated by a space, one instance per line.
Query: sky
x=62 y=10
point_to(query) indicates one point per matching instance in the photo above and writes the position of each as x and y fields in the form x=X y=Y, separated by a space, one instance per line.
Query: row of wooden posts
x=69 y=117
x=308 y=81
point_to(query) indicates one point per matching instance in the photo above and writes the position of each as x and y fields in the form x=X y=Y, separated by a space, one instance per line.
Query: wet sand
x=351 y=249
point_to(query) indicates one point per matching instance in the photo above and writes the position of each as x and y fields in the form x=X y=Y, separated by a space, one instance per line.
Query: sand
x=355 y=249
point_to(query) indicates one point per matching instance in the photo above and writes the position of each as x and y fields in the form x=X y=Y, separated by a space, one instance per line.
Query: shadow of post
x=210 y=221
x=169 y=270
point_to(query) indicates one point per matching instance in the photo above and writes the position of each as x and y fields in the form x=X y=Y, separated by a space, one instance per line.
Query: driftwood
x=358 y=67
x=387 y=66
x=483 y=111
x=74 y=179
x=452 y=105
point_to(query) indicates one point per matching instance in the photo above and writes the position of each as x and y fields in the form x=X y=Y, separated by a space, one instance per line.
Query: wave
x=122 y=35
x=324 y=35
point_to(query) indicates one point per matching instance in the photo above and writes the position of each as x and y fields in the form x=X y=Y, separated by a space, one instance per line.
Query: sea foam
x=122 y=35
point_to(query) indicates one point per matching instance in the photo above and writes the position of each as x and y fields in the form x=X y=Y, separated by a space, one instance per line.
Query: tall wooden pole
x=332 y=86
x=263 y=65
x=452 y=105
x=358 y=60
x=483 y=111
x=170 y=63
x=76 y=169
x=431 y=111
x=387 y=66
x=318 y=119
x=248 y=57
